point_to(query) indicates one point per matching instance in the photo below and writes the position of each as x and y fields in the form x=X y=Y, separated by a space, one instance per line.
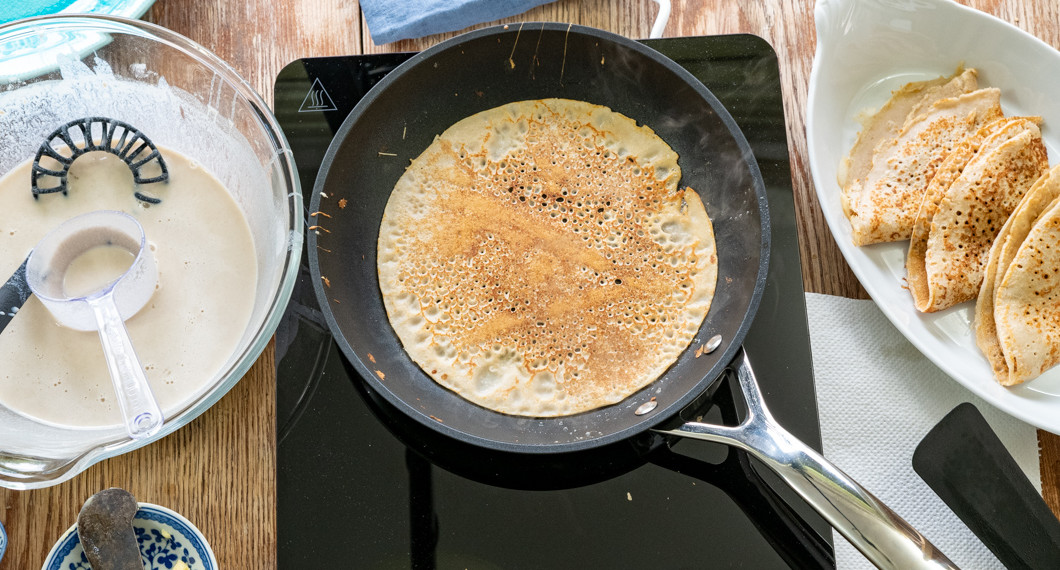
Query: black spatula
x=968 y=467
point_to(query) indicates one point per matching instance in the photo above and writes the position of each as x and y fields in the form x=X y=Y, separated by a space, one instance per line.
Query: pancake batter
x=183 y=336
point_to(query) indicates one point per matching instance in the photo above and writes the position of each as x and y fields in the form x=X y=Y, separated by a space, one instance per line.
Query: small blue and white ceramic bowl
x=167 y=540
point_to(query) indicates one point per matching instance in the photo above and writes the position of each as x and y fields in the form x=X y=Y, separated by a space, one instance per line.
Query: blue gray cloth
x=393 y=20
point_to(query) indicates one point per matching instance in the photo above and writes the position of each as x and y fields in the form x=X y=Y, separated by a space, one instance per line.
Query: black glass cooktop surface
x=360 y=487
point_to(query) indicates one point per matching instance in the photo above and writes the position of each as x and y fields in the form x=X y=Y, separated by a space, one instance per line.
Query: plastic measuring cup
x=105 y=308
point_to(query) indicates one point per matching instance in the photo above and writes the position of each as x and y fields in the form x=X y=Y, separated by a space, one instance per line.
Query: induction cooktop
x=360 y=487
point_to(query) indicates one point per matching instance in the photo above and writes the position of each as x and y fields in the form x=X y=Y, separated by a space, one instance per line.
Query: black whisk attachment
x=116 y=137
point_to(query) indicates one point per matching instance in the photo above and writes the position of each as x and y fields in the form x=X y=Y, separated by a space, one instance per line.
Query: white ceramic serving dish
x=167 y=540
x=866 y=49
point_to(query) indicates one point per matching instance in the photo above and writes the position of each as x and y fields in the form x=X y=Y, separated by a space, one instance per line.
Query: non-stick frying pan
x=400 y=117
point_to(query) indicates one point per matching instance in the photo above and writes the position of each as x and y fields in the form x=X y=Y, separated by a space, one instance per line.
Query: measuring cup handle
x=139 y=409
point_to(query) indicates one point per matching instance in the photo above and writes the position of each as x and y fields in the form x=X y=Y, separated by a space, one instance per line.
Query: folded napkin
x=393 y=20
x=877 y=397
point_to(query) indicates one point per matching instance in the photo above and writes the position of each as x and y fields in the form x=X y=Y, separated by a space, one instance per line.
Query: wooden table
x=220 y=470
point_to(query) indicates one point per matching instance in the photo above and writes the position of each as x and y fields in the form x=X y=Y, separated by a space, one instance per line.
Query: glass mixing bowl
x=54 y=70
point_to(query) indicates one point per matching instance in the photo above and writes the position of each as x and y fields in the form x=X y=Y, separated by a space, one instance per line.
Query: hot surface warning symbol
x=317 y=99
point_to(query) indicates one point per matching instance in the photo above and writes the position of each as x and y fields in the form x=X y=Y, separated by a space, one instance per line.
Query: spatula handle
x=13 y=294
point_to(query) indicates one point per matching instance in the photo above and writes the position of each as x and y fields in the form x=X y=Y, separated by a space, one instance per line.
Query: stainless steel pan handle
x=879 y=533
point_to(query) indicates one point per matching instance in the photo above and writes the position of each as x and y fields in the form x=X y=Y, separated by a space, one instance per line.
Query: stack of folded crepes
x=1017 y=314
x=965 y=205
x=901 y=147
x=941 y=166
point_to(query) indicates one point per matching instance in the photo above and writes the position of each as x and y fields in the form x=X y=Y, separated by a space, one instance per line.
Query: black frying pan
x=400 y=117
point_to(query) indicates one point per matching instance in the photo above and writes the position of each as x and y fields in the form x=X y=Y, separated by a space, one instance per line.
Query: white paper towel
x=877 y=397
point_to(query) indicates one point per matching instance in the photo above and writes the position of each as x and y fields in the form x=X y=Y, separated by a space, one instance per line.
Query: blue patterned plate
x=167 y=542
x=3 y=541
x=40 y=53
x=26 y=8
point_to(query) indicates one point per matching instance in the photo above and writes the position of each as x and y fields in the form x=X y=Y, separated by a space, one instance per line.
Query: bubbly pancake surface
x=539 y=260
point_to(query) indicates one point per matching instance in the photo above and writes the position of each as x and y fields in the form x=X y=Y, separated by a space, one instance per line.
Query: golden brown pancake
x=885 y=206
x=539 y=260
x=883 y=126
x=1017 y=314
x=966 y=204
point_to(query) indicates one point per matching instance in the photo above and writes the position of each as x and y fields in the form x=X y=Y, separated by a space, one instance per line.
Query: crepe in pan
x=1017 y=314
x=885 y=207
x=884 y=125
x=969 y=199
x=538 y=258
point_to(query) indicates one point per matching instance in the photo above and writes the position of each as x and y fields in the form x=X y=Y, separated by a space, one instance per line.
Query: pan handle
x=879 y=533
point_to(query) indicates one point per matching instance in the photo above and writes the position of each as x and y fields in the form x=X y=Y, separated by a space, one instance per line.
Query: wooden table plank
x=258 y=37
x=220 y=469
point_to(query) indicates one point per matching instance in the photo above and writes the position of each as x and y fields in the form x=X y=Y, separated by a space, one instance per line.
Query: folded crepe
x=1017 y=314
x=967 y=202
x=885 y=205
x=883 y=126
